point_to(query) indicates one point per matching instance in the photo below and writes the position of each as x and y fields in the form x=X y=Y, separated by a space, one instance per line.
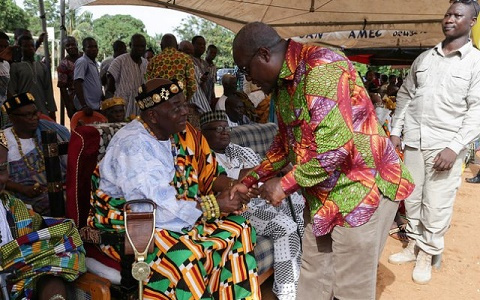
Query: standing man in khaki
x=438 y=109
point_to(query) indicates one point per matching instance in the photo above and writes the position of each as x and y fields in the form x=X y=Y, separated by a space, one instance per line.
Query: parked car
x=221 y=72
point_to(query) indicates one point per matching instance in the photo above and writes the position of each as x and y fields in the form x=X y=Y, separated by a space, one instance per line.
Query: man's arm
x=110 y=86
x=404 y=97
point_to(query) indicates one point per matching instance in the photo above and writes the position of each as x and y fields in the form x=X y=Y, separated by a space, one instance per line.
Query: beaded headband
x=160 y=94
x=110 y=102
x=17 y=101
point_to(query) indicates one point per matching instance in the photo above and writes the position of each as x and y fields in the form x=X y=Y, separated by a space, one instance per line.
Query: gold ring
x=244 y=206
x=268 y=201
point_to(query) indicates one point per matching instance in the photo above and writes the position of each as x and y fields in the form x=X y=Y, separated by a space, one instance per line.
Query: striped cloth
x=211 y=261
x=40 y=247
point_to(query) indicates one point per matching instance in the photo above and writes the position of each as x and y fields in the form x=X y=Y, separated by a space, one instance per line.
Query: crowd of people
x=349 y=149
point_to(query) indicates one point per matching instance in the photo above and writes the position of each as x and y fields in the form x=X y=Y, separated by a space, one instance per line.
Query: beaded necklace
x=179 y=171
x=24 y=158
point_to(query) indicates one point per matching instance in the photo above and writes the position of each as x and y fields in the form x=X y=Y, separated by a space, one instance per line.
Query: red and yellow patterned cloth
x=328 y=130
x=173 y=64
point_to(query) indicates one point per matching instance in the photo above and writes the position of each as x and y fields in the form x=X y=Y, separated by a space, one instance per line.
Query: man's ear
x=264 y=53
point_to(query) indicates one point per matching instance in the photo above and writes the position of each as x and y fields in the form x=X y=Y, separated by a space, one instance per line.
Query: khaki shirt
x=438 y=105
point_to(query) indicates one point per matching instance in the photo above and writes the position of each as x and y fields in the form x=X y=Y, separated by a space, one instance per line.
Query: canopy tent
x=291 y=18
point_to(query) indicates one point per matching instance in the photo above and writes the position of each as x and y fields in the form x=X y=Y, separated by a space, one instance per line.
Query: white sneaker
x=408 y=254
x=422 y=273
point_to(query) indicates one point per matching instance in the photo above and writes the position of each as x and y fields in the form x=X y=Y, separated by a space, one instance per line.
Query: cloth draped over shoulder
x=328 y=130
x=191 y=260
x=40 y=247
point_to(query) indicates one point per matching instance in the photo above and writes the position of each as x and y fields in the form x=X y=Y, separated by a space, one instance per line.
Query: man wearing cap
x=41 y=253
x=160 y=156
x=114 y=109
x=28 y=179
x=270 y=221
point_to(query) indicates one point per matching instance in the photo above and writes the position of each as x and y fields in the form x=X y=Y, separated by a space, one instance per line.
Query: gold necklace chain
x=179 y=172
x=24 y=158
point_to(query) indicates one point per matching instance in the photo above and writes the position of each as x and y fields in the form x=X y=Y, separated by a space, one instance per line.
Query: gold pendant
x=140 y=270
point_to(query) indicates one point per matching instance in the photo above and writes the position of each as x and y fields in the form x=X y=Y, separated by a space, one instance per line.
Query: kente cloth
x=173 y=64
x=277 y=223
x=343 y=161
x=129 y=76
x=21 y=173
x=195 y=260
x=40 y=247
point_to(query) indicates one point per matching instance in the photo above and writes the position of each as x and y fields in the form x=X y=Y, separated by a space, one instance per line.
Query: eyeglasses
x=474 y=2
x=220 y=129
x=246 y=69
x=28 y=115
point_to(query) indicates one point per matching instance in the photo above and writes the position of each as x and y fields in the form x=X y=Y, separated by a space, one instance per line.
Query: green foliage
x=213 y=34
x=12 y=16
x=52 y=14
x=107 y=29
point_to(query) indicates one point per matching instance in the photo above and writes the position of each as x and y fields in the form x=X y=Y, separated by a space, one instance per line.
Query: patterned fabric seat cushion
x=259 y=137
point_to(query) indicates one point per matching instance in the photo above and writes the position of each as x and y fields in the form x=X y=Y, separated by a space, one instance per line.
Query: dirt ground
x=459 y=275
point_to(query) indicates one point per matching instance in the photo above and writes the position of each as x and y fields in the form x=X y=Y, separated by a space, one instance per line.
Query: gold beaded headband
x=17 y=101
x=110 y=102
x=146 y=100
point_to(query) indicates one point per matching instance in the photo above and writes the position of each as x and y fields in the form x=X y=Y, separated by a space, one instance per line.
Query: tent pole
x=63 y=35
x=44 y=28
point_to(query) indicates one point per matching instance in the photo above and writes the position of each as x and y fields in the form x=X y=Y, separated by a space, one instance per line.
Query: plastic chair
x=79 y=119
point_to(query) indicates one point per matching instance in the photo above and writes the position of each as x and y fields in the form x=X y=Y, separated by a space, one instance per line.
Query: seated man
x=28 y=180
x=202 y=249
x=39 y=253
x=114 y=109
x=236 y=110
x=270 y=221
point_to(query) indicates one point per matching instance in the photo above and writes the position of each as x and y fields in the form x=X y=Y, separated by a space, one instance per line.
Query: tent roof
x=301 y=17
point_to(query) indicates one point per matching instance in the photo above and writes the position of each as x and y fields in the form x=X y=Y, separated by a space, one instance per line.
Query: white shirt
x=438 y=105
x=137 y=166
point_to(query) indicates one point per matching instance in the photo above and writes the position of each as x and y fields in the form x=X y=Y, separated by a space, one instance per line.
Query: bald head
x=168 y=41
x=229 y=83
x=186 y=47
x=254 y=36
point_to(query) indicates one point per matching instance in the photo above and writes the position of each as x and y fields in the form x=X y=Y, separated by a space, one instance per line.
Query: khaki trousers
x=344 y=263
x=430 y=206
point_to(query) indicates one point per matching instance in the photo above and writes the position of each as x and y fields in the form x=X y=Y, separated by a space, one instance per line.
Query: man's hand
x=272 y=191
x=444 y=160
x=397 y=143
x=230 y=203
x=32 y=191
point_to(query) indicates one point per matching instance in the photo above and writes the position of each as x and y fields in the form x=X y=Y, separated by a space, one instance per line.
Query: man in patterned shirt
x=173 y=64
x=344 y=164
x=65 y=74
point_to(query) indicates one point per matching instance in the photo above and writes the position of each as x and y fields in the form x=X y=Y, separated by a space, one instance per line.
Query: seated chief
x=203 y=248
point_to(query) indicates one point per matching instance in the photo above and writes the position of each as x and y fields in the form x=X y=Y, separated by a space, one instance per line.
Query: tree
x=213 y=34
x=78 y=25
x=108 y=29
x=52 y=14
x=12 y=16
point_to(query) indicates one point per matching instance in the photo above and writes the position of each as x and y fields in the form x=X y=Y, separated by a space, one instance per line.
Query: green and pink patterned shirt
x=343 y=160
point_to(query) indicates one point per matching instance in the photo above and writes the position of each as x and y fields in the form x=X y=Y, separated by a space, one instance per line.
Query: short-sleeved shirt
x=86 y=70
x=65 y=73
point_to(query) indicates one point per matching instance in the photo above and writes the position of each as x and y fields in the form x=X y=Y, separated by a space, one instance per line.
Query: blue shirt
x=86 y=70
